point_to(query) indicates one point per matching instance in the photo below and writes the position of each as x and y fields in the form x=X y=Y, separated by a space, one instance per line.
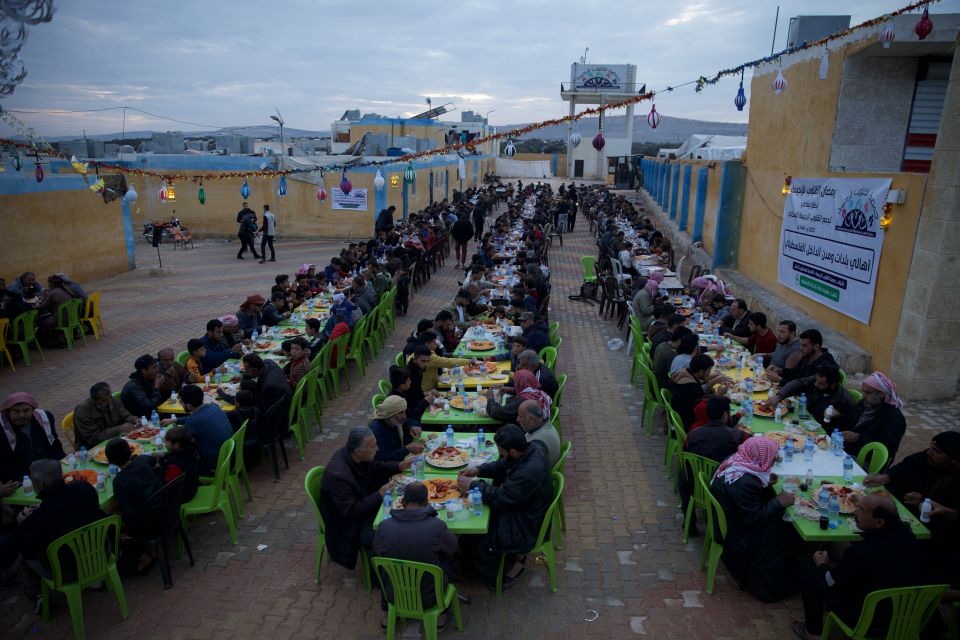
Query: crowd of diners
x=26 y=293
x=763 y=553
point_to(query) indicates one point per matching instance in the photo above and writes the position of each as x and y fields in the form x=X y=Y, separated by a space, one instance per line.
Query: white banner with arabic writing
x=831 y=240
x=356 y=200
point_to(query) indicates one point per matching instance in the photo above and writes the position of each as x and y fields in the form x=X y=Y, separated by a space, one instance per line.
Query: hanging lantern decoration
x=924 y=26
x=171 y=193
x=779 y=83
x=79 y=167
x=410 y=174
x=379 y=182
x=245 y=190
x=888 y=34
x=17 y=162
x=653 y=118
x=202 y=194
x=461 y=168
x=741 y=100
x=598 y=141
x=509 y=150
x=785 y=189
x=395 y=181
x=282 y=187
x=885 y=219
x=131 y=195
x=162 y=193
x=575 y=138
x=321 y=193
x=345 y=185
x=98 y=186
x=38 y=172
x=824 y=63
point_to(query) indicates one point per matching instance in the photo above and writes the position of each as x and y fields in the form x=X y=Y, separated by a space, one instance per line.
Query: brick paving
x=623 y=573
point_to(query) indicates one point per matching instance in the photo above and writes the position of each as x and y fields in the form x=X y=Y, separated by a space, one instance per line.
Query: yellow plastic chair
x=92 y=317
x=405 y=598
x=68 y=428
x=94 y=564
x=4 y=327
x=312 y=483
x=216 y=495
x=68 y=321
x=873 y=457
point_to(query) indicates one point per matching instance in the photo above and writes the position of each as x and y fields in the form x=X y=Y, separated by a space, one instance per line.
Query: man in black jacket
x=534 y=333
x=272 y=385
x=417 y=400
x=133 y=486
x=876 y=418
x=247 y=220
x=886 y=558
x=141 y=394
x=28 y=434
x=351 y=492
x=823 y=389
x=518 y=499
x=813 y=356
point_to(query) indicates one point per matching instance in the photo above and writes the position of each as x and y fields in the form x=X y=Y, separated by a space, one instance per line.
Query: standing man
x=247 y=220
x=574 y=199
x=269 y=228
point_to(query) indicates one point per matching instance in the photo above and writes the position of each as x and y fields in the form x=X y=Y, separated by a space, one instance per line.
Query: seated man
x=535 y=334
x=689 y=386
x=758 y=546
x=141 y=394
x=689 y=346
x=735 y=325
x=30 y=435
x=217 y=349
x=823 y=389
x=100 y=417
x=431 y=375
x=760 y=340
x=133 y=487
x=447 y=330
x=717 y=439
x=351 y=493
x=518 y=499
x=667 y=352
x=530 y=361
x=416 y=533
x=786 y=354
x=886 y=557
x=206 y=423
x=462 y=308
x=876 y=418
x=417 y=399
x=525 y=387
x=395 y=434
x=63 y=508
x=415 y=339
x=250 y=314
x=174 y=374
x=274 y=312
x=812 y=357
x=537 y=427
x=363 y=294
x=673 y=321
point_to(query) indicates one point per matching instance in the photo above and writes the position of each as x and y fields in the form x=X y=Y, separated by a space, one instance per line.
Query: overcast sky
x=229 y=64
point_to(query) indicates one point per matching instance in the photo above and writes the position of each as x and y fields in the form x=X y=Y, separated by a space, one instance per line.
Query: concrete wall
x=790 y=134
x=558 y=161
x=58 y=225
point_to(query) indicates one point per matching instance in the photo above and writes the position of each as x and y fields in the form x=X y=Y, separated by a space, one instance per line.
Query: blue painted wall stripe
x=701 y=206
x=685 y=197
x=675 y=192
x=128 y=234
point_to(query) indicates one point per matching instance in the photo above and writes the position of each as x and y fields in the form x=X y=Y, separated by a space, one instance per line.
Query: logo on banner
x=859 y=214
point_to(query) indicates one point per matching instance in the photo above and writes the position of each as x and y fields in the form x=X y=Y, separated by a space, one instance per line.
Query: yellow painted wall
x=713 y=204
x=73 y=232
x=791 y=134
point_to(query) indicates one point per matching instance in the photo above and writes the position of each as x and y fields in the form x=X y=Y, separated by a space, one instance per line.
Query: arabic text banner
x=356 y=200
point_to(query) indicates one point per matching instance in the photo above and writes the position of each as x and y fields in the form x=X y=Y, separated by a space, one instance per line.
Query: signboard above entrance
x=600 y=77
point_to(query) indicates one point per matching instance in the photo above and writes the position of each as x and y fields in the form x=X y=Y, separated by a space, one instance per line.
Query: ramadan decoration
x=509 y=150
x=345 y=185
x=202 y=194
x=888 y=34
x=245 y=190
x=598 y=141
x=395 y=181
x=379 y=182
x=925 y=26
x=282 y=187
x=131 y=195
x=653 y=118
x=779 y=83
x=410 y=174
x=741 y=100
x=575 y=139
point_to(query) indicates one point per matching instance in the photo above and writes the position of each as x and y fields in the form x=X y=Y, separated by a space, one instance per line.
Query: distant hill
x=264 y=131
x=670 y=130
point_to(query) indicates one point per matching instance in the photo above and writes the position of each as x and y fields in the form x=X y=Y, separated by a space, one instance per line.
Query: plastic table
x=471 y=382
x=463 y=522
x=458 y=416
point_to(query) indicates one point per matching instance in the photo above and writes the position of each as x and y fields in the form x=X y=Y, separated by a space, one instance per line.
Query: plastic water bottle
x=254 y=335
x=476 y=502
x=836 y=439
x=158 y=440
x=809 y=477
x=748 y=412
x=808 y=449
x=72 y=462
x=847 y=468
x=421 y=468
x=113 y=470
x=387 y=505
x=82 y=454
x=802 y=410
x=788 y=451
x=834 y=511
x=101 y=481
x=27 y=485
x=155 y=419
x=173 y=397
x=827 y=416
x=481 y=439
x=739 y=365
x=750 y=386
x=925 y=507
x=450 y=440
x=778 y=414
x=823 y=502
x=218 y=379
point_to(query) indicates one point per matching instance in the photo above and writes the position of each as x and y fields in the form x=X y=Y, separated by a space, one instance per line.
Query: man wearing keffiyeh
x=29 y=434
x=876 y=418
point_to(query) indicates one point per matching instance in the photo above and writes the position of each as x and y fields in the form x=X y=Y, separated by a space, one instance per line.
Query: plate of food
x=761 y=385
x=480 y=369
x=146 y=434
x=481 y=345
x=448 y=458
x=781 y=437
x=290 y=332
x=457 y=403
x=498 y=377
x=848 y=495
x=81 y=475
x=441 y=489
x=764 y=412
x=100 y=453
x=685 y=311
x=263 y=346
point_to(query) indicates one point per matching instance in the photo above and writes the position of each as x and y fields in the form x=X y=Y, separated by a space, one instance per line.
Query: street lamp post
x=279 y=120
x=486 y=119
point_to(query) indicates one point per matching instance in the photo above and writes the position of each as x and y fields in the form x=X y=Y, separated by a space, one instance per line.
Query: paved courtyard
x=623 y=573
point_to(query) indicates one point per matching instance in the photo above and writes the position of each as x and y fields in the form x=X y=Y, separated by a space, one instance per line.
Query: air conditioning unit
x=812 y=28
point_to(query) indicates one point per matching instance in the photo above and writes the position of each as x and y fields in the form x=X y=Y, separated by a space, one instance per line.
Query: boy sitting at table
x=299 y=361
x=194 y=365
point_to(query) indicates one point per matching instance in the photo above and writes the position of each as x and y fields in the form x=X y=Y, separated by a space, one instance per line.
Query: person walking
x=268 y=230
x=479 y=216
x=247 y=220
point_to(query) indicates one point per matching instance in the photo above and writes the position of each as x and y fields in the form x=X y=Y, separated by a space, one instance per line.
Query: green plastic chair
x=321 y=364
x=843 y=377
x=24 y=333
x=555 y=418
x=384 y=386
x=636 y=356
x=401 y=360
x=873 y=457
x=373 y=338
x=556 y=345
x=856 y=395
x=716 y=526
x=554 y=331
x=561 y=383
x=182 y=357
x=955 y=621
x=238 y=469
x=560 y=519
x=694 y=465
x=911 y=609
x=676 y=434
x=68 y=321
x=549 y=357
x=651 y=397
x=358 y=338
x=544 y=543
x=311 y=483
x=406 y=601
x=377 y=400
x=216 y=495
x=586 y=265
x=305 y=410
x=645 y=355
x=340 y=346
x=94 y=563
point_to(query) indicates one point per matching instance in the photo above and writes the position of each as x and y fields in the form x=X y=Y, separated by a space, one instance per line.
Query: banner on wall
x=356 y=200
x=830 y=241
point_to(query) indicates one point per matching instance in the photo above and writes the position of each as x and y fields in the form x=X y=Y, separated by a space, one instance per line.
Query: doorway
x=578 y=168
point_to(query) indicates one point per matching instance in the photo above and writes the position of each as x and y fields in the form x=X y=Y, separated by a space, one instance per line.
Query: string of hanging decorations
x=35 y=145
